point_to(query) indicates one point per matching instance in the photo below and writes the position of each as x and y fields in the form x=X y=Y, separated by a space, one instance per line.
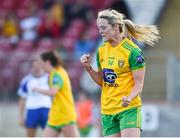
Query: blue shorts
x=36 y=117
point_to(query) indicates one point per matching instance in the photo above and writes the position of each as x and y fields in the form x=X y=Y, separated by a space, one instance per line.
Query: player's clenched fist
x=125 y=101
x=85 y=58
x=85 y=61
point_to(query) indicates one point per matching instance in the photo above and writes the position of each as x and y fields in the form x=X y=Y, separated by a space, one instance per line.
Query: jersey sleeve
x=57 y=81
x=22 y=90
x=136 y=59
x=98 y=60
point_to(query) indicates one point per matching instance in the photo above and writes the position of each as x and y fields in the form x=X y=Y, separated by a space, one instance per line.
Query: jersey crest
x=121 y=63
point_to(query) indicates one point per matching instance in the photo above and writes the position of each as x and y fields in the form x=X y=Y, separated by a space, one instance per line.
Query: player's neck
x=116 y=40
x=38 y=74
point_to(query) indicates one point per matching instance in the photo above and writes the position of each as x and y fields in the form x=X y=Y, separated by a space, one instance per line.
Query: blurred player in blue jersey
x=34 y=106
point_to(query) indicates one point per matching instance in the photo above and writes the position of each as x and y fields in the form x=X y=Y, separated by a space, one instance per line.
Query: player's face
x=36 y=67
x=105 y=29
x=45 y=65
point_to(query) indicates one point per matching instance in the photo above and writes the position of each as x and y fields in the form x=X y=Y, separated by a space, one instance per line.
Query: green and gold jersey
x=117 y=64
x=63 y=109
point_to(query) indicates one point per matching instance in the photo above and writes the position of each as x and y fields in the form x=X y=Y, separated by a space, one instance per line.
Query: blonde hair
x=148 y=33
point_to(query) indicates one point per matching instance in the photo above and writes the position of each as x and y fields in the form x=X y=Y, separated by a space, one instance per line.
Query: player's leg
x=70 y=130
x=43 y=117
x=31 y=132
x=131 y=132
x=31 y=122
x=114 y=135
x=51 y=132
x=131 y=123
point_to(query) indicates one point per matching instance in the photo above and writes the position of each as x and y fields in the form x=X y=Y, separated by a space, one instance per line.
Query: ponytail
x=148 y=34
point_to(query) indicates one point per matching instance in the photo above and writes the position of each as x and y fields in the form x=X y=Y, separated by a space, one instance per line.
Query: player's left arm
x=138 y=86
x=137 y=66
x=139 y=83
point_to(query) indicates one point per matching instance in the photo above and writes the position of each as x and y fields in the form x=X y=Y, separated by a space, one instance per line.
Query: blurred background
x=69 y=26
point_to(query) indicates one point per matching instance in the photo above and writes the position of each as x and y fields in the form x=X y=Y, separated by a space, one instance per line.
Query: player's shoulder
x=129 y=45
x=102 y=45
x=45 y=76
x=26 y=78
x=56 y=73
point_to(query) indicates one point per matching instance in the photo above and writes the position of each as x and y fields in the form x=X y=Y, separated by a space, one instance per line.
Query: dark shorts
x=113 y=124
x=36 y=117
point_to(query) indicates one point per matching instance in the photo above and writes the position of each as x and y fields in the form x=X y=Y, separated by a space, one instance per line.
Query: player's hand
x=35 y=89
x=85 y=61
x=125 y=101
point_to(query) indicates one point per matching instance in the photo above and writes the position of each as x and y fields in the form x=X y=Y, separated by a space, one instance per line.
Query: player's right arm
x=21 y=110
x=22 y=93
x=96 y=76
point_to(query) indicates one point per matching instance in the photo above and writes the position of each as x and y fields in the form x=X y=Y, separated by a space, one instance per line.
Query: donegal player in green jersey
x=121 y=71
x=62 y=116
